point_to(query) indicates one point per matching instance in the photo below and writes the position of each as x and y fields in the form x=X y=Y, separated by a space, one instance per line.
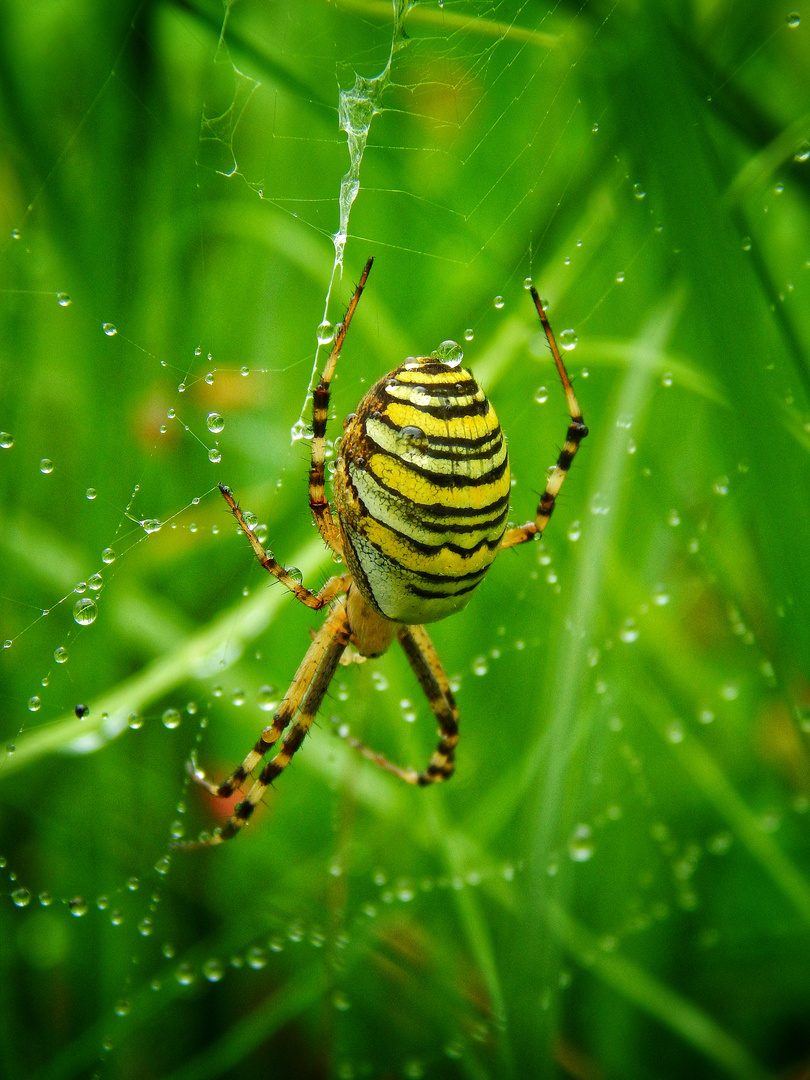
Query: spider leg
x=305 y=694
x=333 y=587
x=318 y=503
x=576 y=433
x=431 y=676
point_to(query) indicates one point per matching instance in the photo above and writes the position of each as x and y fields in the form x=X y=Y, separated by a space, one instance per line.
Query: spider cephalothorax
x=421 y=491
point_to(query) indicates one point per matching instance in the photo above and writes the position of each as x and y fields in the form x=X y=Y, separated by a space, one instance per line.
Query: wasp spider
x=421 y=493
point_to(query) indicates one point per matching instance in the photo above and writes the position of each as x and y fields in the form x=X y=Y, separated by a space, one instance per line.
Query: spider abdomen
x=422 y=491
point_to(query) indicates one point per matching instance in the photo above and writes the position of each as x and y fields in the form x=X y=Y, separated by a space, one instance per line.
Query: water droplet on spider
x=620 y=277
x=250 y=519
x=108 y=556
x=498 y=302
x=721 y=485
x=78 y=907
x=60 y=655
x=266 y=698
x=21 y=898
x=413 y=437
x=215 y=455
x=213 y=970
x=150 y=525
x=568 y=340
x=449 y=352
x=580 y=845
x=480 y=666
x=46 y=466
x=109 y=329
x=599 y=505
x=214 y=422
x=85 y=611
x=541 y=395
x=171 y=719
x=296 y=574
x=469 y=334
x=793 y=20
x=574 y=531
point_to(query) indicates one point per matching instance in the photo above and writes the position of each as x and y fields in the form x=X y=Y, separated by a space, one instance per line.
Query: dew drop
x=620 y=277
x=675 y=732
x=82 y=711
x=215 y=455
x=673 y=518
x=213 y=970
x=145 y=927
x=595 y=128
x=244 y=370
x=568 y=340
x=469 y=334
x=34 y=704
x=95 y=583
x=85 y=611
x=171 y=719
x=122 y=1007
x=541 y=395
x=746 y=243
x=185 y=974
x=296 y=574
x=266 y=698
x=379 y=680
x=6 y=440
x=629 y=631
x=720 y=485
x=527 y=283
x=46 y=466
x=60 y=655
x=498 y=302
x=580 y=845
x=108 y=556
x=793 y=20
x=450 y=353
x=639 y=192
x=802 y=152
x=150 y=525
x=109 y=329
x=660 y=597
x=78 y=907
x=209 y=378
x=21 y=898
x=238 y=697
x=599 y=505
x=214 y=422
x=480 y=666
x=62 y=299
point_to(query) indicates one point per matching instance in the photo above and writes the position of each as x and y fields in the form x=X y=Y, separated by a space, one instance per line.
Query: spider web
x=624 y=842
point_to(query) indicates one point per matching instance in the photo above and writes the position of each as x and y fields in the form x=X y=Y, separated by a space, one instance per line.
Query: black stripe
x=460 y=388
x=444 y=448
x=434 y=549
x=444 y=411
x=426 y=595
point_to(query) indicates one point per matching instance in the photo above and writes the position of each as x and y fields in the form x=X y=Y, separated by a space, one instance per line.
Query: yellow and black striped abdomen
x=422 y=491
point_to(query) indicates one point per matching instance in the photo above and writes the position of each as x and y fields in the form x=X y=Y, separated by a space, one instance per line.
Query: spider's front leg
x=304 y=697
x=576 y=433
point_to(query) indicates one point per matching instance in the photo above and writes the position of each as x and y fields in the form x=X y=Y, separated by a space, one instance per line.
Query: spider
x=421 y=494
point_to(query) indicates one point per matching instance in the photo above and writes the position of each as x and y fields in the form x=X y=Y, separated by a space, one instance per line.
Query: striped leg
x=428 y=670
x=306 y=693
x=333 y=587
x=576 y=433
x=318 y=503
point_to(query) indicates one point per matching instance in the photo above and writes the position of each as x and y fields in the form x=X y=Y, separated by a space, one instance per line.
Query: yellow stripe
x=462 y=428
x=419 y=377
x=420 y=490
x=447 y=563
x=411 y=452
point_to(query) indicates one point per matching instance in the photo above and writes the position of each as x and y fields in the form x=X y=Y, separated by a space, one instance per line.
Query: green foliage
x=614 y=883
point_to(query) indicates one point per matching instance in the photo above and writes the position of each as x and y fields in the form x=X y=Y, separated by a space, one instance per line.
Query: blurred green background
x=616 y=882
